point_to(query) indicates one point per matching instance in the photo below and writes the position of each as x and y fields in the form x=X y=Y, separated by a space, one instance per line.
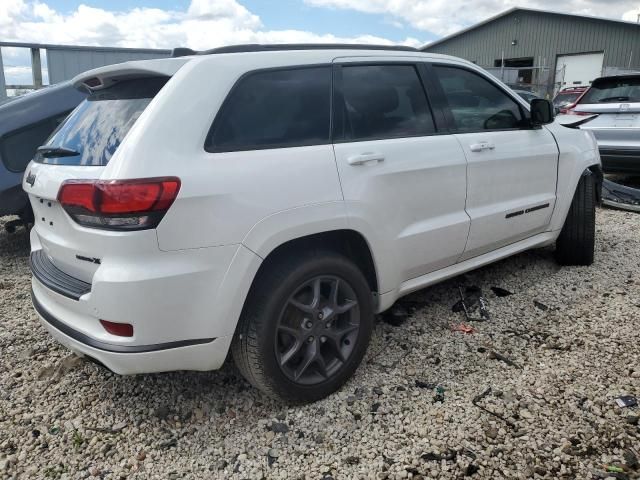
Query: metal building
x=546 y=51
x=66 y=61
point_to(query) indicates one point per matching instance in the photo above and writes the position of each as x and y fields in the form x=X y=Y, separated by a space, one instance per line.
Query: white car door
x=512 y=167
x=404 y=182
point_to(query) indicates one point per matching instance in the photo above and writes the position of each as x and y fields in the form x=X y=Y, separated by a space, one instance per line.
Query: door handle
x=365 y=159
x=478 y=147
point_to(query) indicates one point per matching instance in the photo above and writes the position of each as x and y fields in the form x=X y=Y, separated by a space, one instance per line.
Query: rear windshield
x=613 y=90
x=565 y=98
x=94 y=130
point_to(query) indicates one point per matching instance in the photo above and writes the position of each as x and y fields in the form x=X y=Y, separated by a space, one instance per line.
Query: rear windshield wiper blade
x=47 y=152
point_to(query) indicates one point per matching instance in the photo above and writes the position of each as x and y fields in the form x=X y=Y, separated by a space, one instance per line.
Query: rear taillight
x=119 y=204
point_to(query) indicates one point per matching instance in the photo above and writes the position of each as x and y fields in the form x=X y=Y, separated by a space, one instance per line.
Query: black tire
x=576 y=243
x=255 y=346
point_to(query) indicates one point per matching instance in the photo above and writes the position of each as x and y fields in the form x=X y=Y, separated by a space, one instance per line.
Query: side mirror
x=542 y=112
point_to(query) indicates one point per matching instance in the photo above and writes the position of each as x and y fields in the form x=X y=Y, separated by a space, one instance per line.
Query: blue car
x=25 y=123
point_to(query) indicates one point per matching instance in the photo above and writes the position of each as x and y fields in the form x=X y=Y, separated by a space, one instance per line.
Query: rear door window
x=95 y=129
x=613 y=90
x=382 y=101
x=275 y=109
x=476 y=103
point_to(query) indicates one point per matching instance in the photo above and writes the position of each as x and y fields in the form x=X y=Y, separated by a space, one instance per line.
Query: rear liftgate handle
x=478 y=147
x=366 y=159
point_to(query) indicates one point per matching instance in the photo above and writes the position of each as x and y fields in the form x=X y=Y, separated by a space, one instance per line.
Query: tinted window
x=613 y=90
x=273 y=109
x=383 y=101
x=19 y=147
x=97 y=126
x=476 y=103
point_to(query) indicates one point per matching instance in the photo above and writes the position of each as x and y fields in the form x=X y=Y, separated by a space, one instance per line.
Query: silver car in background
x=616 y=101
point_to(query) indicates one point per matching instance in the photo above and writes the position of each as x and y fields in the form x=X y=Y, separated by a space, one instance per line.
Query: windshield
x=95 y=129
x=563 y=99
x=613 y=90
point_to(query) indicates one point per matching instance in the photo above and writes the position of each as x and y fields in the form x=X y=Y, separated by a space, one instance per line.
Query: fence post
x=36 y=67
x=3 y=85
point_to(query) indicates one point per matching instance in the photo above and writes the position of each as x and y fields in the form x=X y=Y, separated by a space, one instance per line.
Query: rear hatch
x=616 y=100
x=80 y=149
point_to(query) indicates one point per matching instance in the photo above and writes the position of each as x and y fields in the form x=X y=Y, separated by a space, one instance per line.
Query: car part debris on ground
x=439 y=396
x=501 y=292
x=620 y=196
x=472 y=300
x=461 y=327
x=540 y=305
x=624 y=401
x=476 y=401
x=498 y=356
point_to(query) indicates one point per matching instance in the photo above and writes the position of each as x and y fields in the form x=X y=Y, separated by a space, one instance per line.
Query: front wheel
x=576 y=243
x=305 y=327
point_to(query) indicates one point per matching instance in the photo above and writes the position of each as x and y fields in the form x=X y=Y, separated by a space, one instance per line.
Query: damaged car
x=268 y=200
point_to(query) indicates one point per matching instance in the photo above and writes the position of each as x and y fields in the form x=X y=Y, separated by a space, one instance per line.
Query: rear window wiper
x=47 y=152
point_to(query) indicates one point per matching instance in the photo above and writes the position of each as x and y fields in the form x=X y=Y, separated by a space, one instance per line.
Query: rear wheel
x=576 y=243
x=305 y=327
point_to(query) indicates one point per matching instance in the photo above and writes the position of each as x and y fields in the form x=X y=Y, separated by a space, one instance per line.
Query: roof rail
x=257 y=47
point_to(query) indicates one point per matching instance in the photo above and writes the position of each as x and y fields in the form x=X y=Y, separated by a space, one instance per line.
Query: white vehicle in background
x=615 y=103
x=269 y=200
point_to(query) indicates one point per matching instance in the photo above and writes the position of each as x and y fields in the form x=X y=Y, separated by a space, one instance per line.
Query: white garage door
x=578 y=70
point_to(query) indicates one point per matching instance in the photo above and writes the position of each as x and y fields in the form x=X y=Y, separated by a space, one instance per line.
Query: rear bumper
x=183 y=306
x=83 y=339
x=199 y=354
x=620 y=160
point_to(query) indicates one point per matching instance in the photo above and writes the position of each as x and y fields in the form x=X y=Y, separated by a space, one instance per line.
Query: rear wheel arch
x=349 y=243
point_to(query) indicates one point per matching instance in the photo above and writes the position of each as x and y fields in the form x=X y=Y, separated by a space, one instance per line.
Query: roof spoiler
x=103 y=77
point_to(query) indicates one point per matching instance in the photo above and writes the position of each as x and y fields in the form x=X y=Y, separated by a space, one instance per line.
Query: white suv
x=270 y=200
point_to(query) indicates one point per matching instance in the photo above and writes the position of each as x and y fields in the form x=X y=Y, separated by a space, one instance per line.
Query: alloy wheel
x=317 y=330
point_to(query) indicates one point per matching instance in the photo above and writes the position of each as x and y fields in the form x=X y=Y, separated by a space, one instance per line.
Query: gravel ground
x=572 y=335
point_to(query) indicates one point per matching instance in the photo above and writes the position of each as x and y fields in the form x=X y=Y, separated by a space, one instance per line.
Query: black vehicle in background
x=25 y=123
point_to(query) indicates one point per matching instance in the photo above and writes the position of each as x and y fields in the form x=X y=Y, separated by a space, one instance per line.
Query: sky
x=202 y=24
